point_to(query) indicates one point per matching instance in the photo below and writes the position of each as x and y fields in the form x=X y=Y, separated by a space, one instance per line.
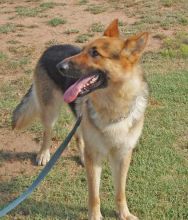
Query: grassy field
x=158 y=177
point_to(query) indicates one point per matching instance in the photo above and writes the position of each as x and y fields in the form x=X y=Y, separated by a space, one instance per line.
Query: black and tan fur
x=44 y=98
x=113 y=116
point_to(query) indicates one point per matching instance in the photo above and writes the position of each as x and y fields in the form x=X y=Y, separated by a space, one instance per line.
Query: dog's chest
x=121 y=133
x=113 y=136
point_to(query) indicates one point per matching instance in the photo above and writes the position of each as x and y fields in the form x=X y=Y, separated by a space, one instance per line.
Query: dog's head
x=104 y=61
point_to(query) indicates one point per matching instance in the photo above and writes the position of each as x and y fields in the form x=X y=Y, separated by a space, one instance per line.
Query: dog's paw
x=96 y=217
x=43 y=158
x=129 y=216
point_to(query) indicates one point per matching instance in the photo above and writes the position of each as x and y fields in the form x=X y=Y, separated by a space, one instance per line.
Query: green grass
x=10 y=90
x=21 y=51
x=168 y=3
x=176 y=46
x=151 y=15
x=51 y=43
x=3 y=56
x=35 y=11
x=16 y=60
x=27 y=12
x=96 y=9
x=97 y=27
x=56 y=21
x=47 y=5
x=82 y=38
x=7 y=28
x=71 y=31
x=13 y=42
x=82 y=2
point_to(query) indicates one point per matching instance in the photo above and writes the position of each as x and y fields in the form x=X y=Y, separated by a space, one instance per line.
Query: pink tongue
x=72 y=92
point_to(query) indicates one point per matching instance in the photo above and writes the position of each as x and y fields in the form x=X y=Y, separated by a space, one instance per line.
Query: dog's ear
x=135 y=45
x=112 y=30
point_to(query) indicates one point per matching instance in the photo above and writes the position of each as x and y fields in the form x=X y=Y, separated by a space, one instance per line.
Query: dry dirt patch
x=17 y=154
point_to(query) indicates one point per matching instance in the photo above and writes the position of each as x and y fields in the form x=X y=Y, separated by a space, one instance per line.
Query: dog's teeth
x=94 y=79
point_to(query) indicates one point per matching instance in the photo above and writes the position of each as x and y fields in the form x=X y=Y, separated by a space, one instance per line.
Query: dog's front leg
x=93 y=169
x=120 y=166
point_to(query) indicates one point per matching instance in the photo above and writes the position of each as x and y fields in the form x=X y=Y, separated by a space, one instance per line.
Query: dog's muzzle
x=68 y=69
x=63 y=66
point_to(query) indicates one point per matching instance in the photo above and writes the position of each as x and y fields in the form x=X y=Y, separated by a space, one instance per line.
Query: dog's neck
x=93 y=114
x=113 y=108
x=116 y=102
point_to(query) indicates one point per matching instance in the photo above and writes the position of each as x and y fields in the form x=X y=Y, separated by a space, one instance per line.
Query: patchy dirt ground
x=17 y=153
x=27 y=35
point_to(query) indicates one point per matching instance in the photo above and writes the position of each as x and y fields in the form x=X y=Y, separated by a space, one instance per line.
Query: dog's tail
x=25 y=111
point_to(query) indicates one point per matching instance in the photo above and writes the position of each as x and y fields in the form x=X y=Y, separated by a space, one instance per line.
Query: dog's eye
x=94 y=53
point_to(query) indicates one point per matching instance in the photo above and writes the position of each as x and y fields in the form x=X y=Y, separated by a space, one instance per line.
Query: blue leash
x=43 y=173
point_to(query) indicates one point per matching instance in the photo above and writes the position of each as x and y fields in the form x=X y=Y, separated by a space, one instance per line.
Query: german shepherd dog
x=105 y=82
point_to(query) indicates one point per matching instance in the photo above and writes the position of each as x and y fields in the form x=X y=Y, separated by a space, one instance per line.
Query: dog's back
x=46 y=79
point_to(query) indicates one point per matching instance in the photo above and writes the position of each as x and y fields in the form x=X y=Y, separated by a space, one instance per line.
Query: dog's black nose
x=63 y=66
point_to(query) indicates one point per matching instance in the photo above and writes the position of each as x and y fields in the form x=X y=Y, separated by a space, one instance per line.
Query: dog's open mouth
x=85 y=85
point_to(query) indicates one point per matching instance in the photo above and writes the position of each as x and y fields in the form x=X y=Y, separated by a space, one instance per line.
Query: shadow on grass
x=49 y=208
x=17 y=156
x=75 y=159
x=32 y=208
x=9 y=156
